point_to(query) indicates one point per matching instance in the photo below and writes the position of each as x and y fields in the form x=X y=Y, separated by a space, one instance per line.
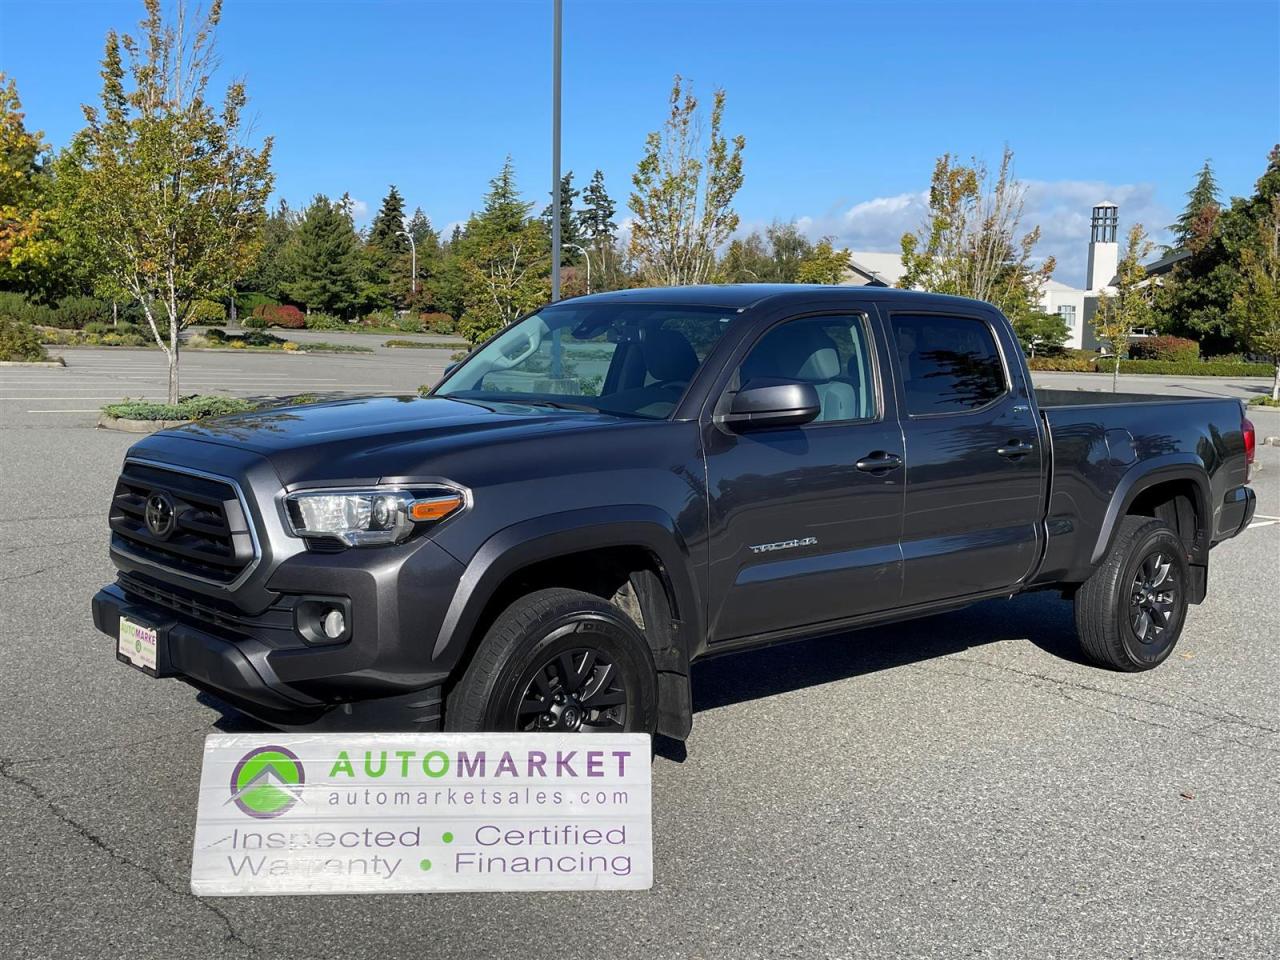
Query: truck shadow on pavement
x=1042 y=619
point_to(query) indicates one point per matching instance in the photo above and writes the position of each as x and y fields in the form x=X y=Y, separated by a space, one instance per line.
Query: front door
x=806 y=519
x=971 y=522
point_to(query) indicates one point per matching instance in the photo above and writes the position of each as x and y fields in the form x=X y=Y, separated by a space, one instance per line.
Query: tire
x=578 y=657
x=1130 y=612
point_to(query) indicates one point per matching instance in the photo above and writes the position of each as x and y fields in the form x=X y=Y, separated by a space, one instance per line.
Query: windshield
x=632 y=359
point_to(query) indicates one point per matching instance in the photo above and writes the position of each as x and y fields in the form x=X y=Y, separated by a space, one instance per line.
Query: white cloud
x=1061 y=208
x=359 y=210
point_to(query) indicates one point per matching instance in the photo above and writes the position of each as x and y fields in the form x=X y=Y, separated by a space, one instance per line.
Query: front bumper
x=238 y=671
x=382 y=677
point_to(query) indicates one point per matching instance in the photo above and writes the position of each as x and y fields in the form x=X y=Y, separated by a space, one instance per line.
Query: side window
x=948 y=364
x=832 y=353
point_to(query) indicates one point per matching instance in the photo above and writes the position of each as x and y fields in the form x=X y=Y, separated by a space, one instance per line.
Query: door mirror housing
x=771 y=403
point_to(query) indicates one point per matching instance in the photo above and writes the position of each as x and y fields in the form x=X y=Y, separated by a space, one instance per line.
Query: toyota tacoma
x=619 y=485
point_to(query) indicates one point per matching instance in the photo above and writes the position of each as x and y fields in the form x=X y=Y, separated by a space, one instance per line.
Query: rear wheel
x=558 y=661
x=1130 y=613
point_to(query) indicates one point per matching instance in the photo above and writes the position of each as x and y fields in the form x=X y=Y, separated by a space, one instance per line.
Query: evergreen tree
x=386 y=233
x=424 y=235
x=1195 y=225
x=570 y=232
x=595 y=221
x=323 y=259
x=504 y=258
x=269 y=272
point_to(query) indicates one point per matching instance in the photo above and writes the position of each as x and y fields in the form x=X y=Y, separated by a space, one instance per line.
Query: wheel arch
x=562 y=536
x=1151 y=483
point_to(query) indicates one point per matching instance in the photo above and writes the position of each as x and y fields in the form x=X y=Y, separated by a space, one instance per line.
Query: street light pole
x=586 y=256
x=555 y=151
x=413 y=261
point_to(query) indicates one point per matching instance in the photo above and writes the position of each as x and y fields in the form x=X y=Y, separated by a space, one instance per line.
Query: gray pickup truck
x=619 y=485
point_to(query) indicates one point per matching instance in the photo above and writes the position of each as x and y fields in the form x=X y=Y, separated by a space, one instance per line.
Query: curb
x=32 y=363
x=137 y=426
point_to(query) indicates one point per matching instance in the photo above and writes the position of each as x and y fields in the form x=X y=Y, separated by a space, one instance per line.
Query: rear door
x=805 y=519
x=971 y=520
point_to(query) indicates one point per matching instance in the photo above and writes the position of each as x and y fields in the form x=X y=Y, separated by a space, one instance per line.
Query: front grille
x=210 y=537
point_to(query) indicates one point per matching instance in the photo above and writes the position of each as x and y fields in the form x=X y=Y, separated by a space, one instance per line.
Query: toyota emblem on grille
x=160 y=515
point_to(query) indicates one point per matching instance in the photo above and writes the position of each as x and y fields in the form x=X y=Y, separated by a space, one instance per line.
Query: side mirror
x=772 y=403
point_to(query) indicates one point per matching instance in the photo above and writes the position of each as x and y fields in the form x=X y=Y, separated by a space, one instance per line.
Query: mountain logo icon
x=267 y=782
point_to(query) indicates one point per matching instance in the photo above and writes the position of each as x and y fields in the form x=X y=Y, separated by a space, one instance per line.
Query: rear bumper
x=1237 y=512
x=237 y=669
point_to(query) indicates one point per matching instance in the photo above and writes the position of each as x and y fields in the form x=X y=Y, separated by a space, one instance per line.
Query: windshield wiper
x=558 y=405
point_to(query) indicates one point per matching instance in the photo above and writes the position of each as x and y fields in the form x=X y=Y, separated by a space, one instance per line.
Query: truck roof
x=742 y=296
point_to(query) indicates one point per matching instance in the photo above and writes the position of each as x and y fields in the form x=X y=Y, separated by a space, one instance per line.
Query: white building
x=1075 y=305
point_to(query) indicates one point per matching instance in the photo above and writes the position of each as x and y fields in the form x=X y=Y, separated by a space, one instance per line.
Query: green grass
x=422 y=344
x=195 y=407
x=319 y=346
x=1264 y=402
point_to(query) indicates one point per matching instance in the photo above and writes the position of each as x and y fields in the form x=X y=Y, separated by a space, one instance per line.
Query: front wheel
x=558 y=661
x=1130 y=612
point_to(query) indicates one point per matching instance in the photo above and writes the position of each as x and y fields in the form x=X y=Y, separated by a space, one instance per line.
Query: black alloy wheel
x=577 y=690
x=1153 y=601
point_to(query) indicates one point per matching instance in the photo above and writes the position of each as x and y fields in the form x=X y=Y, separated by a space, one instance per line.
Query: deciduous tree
x=26 y=240
x=824 y=264
x=971 y=243
x=166 y=196
x=683 y=199
x=1130 y=306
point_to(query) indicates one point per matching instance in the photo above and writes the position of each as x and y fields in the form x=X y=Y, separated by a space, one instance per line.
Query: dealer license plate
x=137 y=644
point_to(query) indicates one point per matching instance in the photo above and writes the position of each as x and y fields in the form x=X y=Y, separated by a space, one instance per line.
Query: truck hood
x=368 y=438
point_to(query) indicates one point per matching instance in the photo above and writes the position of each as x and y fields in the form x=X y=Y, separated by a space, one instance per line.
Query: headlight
x=360 y=518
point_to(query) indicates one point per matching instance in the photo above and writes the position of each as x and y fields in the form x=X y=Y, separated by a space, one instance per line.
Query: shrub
x=1164 y=347
x=325 y=321
x=381 y=319
x=250 y=322
x=194 y=407
x=407 y=323
x=1192 y=368
x=207 y=313
x=250 y=300
x=439 y=323
x=17 y=307
x=1065 y=363
x=75 y=313
x=286 y=316
x=18 y=341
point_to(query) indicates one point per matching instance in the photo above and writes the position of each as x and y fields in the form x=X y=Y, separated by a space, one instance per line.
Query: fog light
x=334 y=624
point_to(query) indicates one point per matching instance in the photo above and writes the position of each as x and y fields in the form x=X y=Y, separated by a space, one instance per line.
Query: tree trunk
x=115 y=314
x=1275 y=385
x=234 y=318
x=1115 y=376
x=173 y=358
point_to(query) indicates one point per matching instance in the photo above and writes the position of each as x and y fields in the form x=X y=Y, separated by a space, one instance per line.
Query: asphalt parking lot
x=960 y=786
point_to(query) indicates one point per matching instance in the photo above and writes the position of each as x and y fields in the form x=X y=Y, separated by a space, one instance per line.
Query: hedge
x=1164 y=347
x=195 y=407
x=1190 y=368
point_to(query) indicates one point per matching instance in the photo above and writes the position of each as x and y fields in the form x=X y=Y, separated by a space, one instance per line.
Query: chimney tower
x=1104 y=251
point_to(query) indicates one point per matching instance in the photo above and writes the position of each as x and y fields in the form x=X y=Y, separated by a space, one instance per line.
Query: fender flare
x=562 y=534
x=1143 y=476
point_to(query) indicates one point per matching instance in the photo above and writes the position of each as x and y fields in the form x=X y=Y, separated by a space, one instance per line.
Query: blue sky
x=844 y=105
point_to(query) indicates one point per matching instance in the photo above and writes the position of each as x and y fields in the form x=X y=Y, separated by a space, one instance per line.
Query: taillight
x=1250 y=445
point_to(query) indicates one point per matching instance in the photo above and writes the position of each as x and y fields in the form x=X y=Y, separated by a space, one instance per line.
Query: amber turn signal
x=435 y=508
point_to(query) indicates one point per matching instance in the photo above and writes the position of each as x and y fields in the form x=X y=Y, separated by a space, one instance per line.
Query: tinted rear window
x=948 y=364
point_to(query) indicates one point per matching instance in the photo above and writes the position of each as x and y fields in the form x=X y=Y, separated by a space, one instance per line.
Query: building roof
x=877 y=267
x=1165 y=263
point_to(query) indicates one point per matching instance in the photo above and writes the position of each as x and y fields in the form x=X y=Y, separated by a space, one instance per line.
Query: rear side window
x=948 y=364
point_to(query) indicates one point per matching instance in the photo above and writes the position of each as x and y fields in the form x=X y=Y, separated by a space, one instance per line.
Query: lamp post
x=555 y=150
x=413 y=261
x=586 y=256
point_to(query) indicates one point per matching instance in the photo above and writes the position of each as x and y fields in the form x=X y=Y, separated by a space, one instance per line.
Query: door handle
x=1015 y=449
x=879 y=462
